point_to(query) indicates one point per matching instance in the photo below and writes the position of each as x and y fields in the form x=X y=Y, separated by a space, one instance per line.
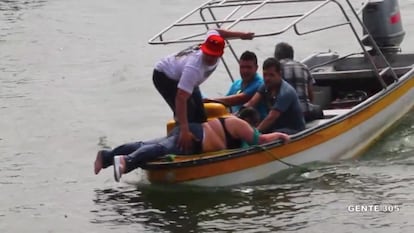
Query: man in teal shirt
x=243 y=89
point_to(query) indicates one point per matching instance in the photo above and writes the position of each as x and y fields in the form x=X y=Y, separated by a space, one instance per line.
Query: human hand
x=284 y=137
x=247 y=36
x=185 y=140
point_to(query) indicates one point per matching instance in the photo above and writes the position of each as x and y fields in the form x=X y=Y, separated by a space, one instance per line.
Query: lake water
x=75 y=76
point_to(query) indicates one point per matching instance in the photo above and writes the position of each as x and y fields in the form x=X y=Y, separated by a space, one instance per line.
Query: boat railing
x=243 y=11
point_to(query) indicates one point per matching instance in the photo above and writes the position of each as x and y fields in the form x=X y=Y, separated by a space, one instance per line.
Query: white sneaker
x=117 y=168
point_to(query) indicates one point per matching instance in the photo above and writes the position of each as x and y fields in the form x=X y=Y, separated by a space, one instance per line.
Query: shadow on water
x=284 y=202
x=156 y=207
x=192 y=209
x=270 y=205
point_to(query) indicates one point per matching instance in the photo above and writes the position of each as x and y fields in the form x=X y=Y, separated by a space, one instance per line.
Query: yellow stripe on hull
x=297 y=146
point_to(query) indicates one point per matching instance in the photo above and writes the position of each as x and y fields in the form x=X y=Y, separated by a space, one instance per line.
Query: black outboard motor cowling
x=383 y=20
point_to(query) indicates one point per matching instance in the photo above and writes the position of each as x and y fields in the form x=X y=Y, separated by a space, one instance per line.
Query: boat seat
x=328 y=113
x=213 y=110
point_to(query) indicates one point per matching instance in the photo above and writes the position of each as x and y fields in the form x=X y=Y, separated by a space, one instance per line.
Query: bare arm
x=269 y=137
x=231 y=100
x=226 y=34
x=254 y=100
x=181 y=108
x=241 y=129
x=186 y=137
x=268 y=121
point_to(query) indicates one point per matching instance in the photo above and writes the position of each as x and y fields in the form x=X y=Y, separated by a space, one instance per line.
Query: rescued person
x=214 y=135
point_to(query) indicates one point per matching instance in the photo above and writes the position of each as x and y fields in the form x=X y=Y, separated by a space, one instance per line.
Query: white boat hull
x=345 y=146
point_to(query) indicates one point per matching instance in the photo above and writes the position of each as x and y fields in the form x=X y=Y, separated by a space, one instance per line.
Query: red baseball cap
x=213 y=46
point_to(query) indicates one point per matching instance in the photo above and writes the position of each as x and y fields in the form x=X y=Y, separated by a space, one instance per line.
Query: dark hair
x=249 y=56
x=250 y=115
x=271 y=62
x=283 y=50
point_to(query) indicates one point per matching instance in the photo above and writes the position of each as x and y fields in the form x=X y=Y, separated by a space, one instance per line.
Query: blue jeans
x=139 y=153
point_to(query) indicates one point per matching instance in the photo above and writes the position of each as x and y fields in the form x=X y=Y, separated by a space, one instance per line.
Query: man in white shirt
x=177 y=78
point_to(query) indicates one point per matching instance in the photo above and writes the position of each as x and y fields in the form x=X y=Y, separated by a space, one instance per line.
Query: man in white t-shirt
x=177 y=78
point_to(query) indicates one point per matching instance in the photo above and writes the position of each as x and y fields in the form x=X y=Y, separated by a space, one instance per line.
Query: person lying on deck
x=217 y=134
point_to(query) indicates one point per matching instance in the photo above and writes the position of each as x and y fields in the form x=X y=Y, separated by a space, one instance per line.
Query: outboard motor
x=383 y=20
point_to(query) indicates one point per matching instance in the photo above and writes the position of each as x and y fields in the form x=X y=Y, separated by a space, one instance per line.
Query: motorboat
x=362 y=92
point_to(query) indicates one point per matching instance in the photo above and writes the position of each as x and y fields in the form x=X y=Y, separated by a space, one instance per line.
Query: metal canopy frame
x=208 y=9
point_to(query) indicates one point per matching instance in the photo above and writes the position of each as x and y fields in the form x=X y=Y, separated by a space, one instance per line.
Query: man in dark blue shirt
x=284 y=111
